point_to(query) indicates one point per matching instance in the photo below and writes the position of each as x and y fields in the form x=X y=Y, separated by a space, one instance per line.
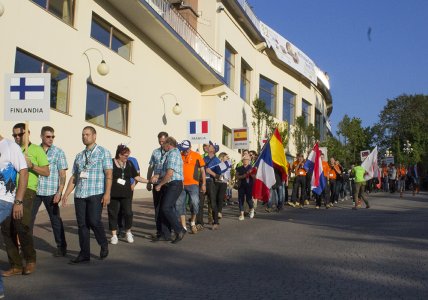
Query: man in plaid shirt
x=50 y=188
x=170 y=182
x=92 y=178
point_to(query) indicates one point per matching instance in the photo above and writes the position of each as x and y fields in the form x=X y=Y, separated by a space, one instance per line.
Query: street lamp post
x=407 y=148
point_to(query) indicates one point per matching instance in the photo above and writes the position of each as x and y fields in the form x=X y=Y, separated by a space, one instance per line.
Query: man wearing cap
x=213 y=172
x=193 y=168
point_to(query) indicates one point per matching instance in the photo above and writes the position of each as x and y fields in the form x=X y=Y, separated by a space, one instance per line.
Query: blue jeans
x=245 y=194
x=5 y=211
x=167 y=215
x=54 y=216
x=193 y=192
x=88 y=216
x=276 y=197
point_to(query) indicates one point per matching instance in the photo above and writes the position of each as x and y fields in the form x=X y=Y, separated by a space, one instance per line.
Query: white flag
x=370 y=165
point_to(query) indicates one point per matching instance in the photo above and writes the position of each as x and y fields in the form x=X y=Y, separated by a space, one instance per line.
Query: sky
x=364 y=72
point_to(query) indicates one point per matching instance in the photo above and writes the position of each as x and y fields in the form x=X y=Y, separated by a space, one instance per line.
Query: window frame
x=308 y=115
x=43 y=64
x=46 y=8
x=227 y=130
x=245 y=81
x=116 y=97
x=229 y=63
x=293 y=105
x=111 y=31
x=274 y=94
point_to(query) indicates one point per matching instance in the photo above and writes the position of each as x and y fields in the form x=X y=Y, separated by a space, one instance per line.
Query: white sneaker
x=129 y=237
x=114 y=240
x=252 y=213
x=241 y=218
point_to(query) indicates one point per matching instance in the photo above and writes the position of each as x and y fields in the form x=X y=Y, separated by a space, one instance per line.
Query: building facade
x=211 y=57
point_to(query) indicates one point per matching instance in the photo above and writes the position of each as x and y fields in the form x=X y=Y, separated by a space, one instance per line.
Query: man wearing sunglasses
x=38 y=164
x=50 y=188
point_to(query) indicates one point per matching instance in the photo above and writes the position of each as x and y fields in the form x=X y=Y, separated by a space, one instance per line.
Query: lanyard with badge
x=84 y=174
x=122 y=180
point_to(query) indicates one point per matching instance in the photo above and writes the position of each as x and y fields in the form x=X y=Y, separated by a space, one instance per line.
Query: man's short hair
x=46 y=128
x=171 y=141
x=162 y=134
x=19 y=125
x=92 y=129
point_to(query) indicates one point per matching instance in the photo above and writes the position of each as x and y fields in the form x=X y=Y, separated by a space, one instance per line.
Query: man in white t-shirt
x=12 y=162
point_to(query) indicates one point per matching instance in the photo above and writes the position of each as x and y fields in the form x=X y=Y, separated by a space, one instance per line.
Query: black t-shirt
x=119 y=190
x=241 y=170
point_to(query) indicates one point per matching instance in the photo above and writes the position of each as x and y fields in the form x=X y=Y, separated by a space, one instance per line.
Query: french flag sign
x=198 y=131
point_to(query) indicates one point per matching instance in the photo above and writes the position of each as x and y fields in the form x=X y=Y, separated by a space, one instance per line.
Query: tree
x=355 y=138
x=304 y=135
x=404 y=119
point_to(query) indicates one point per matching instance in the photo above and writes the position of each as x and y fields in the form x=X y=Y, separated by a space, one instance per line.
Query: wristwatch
x=18 y=202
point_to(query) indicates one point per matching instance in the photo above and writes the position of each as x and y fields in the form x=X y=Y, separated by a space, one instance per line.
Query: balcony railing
x=248 y=10
x=188 y=33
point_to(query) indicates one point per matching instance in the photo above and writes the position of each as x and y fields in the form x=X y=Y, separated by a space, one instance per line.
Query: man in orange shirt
x=326 y=192
x=299 y=182
x=401 y=178
x=193 y=167
x=333 y=174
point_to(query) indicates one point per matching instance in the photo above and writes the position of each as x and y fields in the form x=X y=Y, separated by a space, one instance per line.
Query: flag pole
x=264 y=146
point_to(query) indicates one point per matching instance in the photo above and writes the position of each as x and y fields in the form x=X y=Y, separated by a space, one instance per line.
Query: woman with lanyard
x=245 y=186
x=121 y=193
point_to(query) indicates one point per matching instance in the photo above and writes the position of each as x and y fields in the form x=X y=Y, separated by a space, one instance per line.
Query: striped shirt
x=48 y=186
x=91 y=164
x=173 y=161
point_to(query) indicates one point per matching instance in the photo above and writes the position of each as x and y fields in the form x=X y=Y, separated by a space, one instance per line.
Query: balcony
x=188 y=33
x=173 y=36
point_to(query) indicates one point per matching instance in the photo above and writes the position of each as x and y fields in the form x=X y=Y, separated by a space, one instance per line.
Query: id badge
x=121 y=181
x=84 y=174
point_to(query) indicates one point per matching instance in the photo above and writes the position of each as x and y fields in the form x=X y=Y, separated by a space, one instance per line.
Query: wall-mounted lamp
x=1 y=9
x=220 y=8
x=102 y=68
x=176 y=109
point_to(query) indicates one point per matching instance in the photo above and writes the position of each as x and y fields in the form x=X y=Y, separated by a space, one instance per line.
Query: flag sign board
x=240 y=138
x=364 y=154
x=198 y=131
x=27 y=97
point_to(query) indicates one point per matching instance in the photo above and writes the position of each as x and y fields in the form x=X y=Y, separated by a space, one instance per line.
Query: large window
x=63 y=9
x=227 y=137
x=267 y=93
x=229 y=65
x=106 y=109
x=319 y=124
x=288 y=106
x=60 y=80
x=111 y=37
x=245 y=81
x=306 y=111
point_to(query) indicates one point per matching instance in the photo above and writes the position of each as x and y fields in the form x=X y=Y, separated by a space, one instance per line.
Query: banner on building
x=198 y=131
x=240 y=138
x=289 y=54
x=27 y=97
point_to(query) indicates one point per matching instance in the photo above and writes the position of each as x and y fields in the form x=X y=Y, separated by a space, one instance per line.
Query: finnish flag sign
x=198 y=131
x=27 y=97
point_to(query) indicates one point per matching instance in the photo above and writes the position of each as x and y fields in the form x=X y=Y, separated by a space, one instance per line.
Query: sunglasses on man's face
x=18 y=134
x=49 y=136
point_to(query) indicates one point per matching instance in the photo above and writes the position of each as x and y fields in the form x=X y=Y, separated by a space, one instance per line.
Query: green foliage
x=355 y=139
x=404 y=118
x=304 y=135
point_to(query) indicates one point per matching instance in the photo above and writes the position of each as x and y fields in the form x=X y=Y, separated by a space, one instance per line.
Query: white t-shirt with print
x=11 y=162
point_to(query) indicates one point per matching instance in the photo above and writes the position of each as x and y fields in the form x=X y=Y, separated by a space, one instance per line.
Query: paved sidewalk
x=376 y=253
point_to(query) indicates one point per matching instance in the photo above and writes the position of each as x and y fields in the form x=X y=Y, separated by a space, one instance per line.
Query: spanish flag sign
x=240 y=138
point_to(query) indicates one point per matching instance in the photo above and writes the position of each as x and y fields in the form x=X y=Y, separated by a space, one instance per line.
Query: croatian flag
x=198 y=127
x=25 y=88
x=265 y=176
x=314 y=164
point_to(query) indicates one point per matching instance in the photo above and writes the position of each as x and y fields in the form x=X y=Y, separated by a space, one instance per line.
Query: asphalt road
x=376 y=253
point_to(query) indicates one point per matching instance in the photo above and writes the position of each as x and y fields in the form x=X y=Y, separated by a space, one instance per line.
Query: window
x=106 y=109
x=60 y=80
x=111 y=37
x=227 y=137
x=229 y=65
x=319 y=123
x=288 y=105
x=245 y=81
x=306 y=111
x=63 y=9
x=267 y=93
